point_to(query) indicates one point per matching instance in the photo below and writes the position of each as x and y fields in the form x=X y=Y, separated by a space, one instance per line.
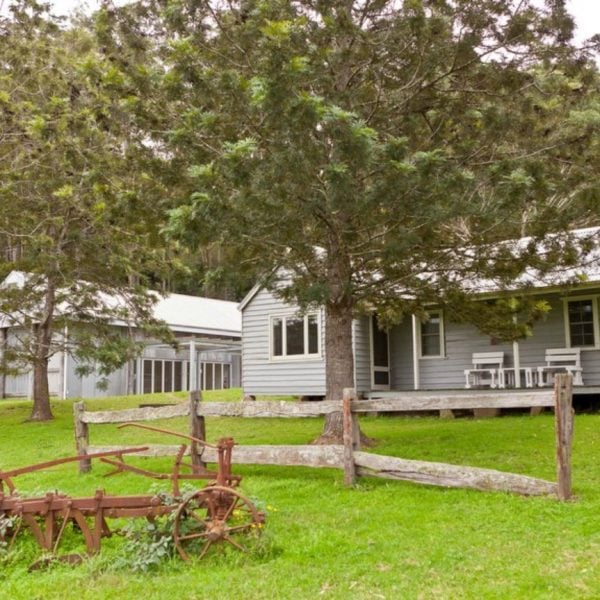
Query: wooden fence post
x=563 y=412
x=197 y=428
x=82 y=436
x=351 y=435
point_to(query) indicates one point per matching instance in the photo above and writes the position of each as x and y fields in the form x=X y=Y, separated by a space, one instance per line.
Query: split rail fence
x=349 y=456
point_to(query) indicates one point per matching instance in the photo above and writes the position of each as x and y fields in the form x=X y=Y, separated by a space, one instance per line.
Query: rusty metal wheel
x=213 y=515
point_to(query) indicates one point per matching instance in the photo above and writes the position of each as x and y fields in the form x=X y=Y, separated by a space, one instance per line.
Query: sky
x=586 y=13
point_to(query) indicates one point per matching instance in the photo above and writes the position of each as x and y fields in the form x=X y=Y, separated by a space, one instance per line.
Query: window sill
x=295 y=358
x=585 y=348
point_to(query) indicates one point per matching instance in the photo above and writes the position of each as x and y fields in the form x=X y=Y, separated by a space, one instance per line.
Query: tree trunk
x=339 y=361
x=41 y=410
x=3 y=343
x=339 y=367
x=42 y=338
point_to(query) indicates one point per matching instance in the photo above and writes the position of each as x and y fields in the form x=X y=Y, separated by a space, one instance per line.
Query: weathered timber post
x=82 y=436
x=197 y=428
x=563 y=414
x=351 y=435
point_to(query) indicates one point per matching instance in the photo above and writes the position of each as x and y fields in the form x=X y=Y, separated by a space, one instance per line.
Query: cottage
x=208 y=333
x=283 y=351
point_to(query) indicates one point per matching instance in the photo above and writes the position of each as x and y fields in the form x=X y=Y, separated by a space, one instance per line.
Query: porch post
x=139 y=381
x=517 y=363
x=193 y=367
x=415 y=352
x=65 y=364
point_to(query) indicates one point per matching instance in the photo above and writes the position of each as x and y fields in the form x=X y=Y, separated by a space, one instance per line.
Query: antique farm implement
x=215 y=513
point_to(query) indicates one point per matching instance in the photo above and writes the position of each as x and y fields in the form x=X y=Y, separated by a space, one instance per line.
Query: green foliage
x=80 y=206
x=148 y=544
x=365 y=149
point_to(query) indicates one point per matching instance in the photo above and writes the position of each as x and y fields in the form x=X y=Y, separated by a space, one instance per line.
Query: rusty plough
x=216 y=513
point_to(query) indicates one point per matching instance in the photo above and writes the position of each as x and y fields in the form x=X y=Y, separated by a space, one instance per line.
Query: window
x=295 y=336
x=215 y=376
x=163 y=375
x=432 y=335
x=581 y=321
x=160 y=375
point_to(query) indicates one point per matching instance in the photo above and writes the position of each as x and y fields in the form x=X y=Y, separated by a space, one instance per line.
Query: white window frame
x=595 y=317
x=442 y=353
x=284 y=356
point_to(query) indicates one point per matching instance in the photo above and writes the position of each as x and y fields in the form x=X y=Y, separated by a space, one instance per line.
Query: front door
x=380 y=357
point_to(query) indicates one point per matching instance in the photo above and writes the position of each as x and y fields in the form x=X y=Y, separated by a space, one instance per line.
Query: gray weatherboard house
x=283 y=350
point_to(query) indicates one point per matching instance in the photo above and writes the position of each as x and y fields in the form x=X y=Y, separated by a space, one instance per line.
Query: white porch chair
x=560 y=360
x=485 y=371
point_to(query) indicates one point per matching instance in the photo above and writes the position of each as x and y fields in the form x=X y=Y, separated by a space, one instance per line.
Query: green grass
x=382 y=539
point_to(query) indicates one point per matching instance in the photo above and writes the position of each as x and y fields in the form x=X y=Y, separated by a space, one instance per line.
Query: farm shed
x=208 y=355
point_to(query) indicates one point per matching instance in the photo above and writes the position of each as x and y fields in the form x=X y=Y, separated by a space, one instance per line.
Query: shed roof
x=194 y=314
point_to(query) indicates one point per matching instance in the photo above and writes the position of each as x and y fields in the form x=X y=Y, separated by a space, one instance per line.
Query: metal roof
x=194 y=314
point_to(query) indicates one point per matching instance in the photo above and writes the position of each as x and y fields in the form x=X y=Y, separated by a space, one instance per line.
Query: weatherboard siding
x=362 y=353
x=551 y=334
x=307 y=377
x=462 y=340
x=401 y=356
x=262 y=375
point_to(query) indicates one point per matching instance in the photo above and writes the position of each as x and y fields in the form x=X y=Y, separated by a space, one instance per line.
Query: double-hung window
x=432 y=335
x=581 y=323
x=295 y=336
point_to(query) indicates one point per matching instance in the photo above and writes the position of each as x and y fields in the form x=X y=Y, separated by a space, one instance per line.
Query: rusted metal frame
x=86 y=531
x=66 y=518
x=176 y=469
x=31 y=522
x=88 y=506
x=6 y=475
x=224 y=449
x=43 y=515
x=5 y=479
x=122 y=467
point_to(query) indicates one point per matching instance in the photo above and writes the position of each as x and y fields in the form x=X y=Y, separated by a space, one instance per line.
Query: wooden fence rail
x=348 y=456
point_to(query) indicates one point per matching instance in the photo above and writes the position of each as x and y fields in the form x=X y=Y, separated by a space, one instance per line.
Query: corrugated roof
x=199 y=315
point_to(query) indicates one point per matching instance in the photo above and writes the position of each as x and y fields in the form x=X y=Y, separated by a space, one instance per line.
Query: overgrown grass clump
x=382 y=539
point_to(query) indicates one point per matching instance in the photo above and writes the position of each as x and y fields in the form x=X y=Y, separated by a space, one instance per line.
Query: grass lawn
x=382 y=539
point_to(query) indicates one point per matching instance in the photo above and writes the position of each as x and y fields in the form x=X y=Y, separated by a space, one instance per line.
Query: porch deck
x=589 y=390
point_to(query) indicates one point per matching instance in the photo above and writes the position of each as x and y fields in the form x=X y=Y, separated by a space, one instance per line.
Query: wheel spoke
x=238 y=528
x=196 y=517
x=205 y=549
x=193 y=536
x=235 y=544
x=231 y=508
